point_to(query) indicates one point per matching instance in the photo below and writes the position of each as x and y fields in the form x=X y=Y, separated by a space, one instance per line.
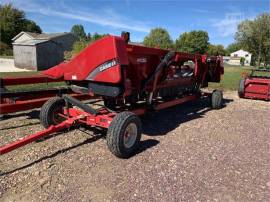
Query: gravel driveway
x=188 y=153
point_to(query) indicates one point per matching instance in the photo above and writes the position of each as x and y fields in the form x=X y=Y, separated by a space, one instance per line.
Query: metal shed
x=41 y=51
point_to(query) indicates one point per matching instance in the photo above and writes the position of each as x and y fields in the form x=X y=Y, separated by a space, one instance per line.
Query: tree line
x=190 y=42
x=83 y=40
x=252 y=36
x=12 y=22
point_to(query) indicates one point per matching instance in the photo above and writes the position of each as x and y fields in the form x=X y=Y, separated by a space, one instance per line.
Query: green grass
x=29 y=86
x=7 y=56
x=18 y=74
x=230 y=79
x=262 y=73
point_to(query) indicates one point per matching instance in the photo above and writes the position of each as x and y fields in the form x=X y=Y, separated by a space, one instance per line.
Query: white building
x=40 y=51
x=237 y=55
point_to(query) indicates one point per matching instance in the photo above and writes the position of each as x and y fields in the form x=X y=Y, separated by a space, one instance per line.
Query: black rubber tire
x=48 y=109
x=241 y=89
x=216 y=99
x=115 y=134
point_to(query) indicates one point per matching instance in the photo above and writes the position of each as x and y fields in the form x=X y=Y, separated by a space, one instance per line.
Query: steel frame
x=11 y=102
x=102 y=119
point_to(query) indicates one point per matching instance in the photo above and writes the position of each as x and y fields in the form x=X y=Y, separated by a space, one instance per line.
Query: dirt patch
x=188 y=153
x=7 y=65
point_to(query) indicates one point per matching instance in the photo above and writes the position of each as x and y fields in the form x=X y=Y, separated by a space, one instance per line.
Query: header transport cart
x=131 y=80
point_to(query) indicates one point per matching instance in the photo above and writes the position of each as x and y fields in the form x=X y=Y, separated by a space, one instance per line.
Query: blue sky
x=218 y=18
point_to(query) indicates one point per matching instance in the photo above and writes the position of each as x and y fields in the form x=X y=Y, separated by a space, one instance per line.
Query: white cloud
x=104 y=17
x=112 y=21
x=228 y=25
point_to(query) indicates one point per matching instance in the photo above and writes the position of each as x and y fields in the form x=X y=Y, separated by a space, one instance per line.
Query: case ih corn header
x=130 y=80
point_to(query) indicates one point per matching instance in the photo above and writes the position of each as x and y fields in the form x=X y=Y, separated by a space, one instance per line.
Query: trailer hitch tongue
x=28 y=139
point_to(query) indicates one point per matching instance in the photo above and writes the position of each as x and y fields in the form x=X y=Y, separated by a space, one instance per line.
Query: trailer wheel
x=124 y=134
x=216 y=99
x=49 y=112
x=241 y=89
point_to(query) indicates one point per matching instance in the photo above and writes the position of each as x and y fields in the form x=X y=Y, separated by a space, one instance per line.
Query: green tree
x=254 y=36
x=78 y=46
x=88 y=37
x=242 y=61
x=5 y=49
x=31 y=26
x=12 y=22
x=78 y=31
x=97 y=36
x=158 y=37
x=233 y=47
x=216 y=49
x=193 y=42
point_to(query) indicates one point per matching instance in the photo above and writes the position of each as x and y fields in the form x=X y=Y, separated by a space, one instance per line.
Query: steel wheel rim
x=56 y=117
x=130 y=135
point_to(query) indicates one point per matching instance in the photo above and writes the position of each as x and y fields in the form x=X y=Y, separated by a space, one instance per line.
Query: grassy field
x=230 y=79
x=7 y=56
x=29 y=86
x=18 y=74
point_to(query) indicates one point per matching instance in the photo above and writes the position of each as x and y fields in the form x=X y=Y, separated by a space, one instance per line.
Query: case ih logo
x=107 y=65
x=141 y=60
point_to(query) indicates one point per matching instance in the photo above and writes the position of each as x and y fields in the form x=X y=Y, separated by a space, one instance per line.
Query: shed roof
x=50 y=36
x=47 y=36
x=31 y=42
x=29 y=34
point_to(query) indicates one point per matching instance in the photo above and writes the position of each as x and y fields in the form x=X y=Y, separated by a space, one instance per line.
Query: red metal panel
x=256 y=96
x=103 y=119
x=176 y=102
x=257 y=88
x=22 y=105
x=97 y=53
x=112 y=74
